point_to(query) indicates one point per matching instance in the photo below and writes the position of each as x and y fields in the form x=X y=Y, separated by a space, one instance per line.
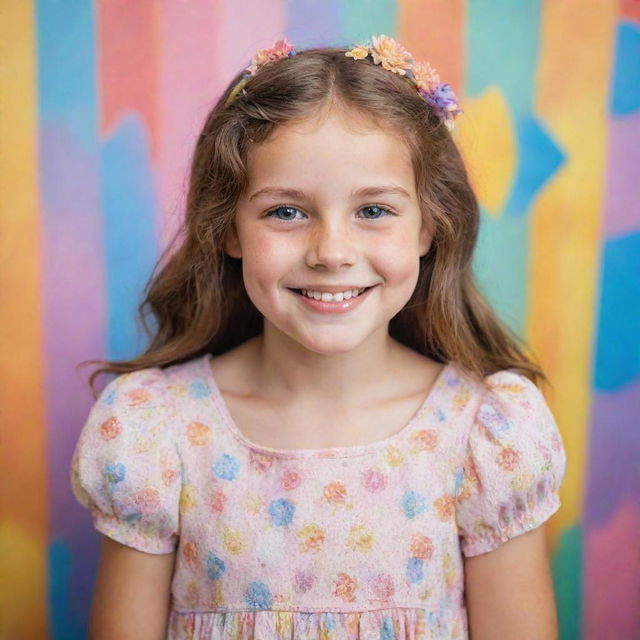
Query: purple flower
x=441 y=97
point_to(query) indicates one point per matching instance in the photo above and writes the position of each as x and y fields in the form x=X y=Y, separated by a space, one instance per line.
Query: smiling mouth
x=331 y=297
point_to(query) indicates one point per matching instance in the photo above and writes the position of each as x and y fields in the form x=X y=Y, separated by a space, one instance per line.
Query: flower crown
x=382 y=50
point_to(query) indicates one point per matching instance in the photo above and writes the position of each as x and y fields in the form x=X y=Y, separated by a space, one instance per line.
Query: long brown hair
x=196 y=294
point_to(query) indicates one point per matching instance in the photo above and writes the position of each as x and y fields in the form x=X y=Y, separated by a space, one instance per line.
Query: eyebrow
x=283 y=192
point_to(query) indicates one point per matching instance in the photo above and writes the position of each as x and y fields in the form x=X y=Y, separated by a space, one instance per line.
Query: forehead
x=338 y=146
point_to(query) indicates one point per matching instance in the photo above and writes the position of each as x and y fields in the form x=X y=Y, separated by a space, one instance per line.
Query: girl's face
x=329 y=208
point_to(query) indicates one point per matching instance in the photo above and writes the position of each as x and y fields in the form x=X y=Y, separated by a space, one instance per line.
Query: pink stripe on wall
x=203 y=46
x=127 y=54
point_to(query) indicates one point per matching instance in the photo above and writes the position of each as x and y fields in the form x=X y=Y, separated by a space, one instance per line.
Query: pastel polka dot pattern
x=339 y=543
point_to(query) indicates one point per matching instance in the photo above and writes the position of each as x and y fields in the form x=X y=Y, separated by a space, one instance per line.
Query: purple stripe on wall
x=621 y=208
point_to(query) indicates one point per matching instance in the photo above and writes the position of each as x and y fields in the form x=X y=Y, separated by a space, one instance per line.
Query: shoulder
x=134 y=389
x=513 y=464
x=142 y=402
x=511 y=405
x=126 y=466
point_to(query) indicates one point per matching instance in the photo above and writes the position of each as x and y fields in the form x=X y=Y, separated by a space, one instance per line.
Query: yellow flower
x=360 y=539
x=358 y=52
x=233 y=542
x=188 y=498
x=311 y=537
x=393 y=456
x=390 y=54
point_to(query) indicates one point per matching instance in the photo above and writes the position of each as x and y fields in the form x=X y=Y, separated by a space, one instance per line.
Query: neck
x=283 y=367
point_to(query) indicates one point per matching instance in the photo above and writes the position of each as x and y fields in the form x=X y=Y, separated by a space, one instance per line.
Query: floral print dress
x=358 y=542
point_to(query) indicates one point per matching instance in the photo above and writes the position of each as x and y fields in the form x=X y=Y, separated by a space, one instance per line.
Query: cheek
x=266 y=260
x=397 y=257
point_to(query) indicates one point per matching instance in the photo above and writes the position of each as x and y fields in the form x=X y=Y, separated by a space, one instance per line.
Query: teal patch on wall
x=500 y=266
x=502 y=41
x=363 y=18
x=566 y=567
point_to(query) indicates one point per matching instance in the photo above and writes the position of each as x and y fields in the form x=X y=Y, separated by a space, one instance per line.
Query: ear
x=231 y=243
x=424 y=239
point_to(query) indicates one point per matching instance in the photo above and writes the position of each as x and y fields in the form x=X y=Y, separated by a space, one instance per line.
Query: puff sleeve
x=514 y=463
x=126 y=468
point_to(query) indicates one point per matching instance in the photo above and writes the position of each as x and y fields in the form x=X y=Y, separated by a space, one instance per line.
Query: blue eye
x=379 y=212
x=289 y=215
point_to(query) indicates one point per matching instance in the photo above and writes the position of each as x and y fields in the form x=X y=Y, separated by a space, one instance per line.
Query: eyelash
x=387 y=211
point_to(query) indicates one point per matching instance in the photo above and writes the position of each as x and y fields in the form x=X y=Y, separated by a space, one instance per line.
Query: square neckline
x=220 y=404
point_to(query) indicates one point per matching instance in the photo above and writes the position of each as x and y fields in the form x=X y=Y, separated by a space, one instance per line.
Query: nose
x=331 y=245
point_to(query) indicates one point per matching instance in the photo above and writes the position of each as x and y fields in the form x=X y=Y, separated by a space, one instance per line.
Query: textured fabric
x=350 y=542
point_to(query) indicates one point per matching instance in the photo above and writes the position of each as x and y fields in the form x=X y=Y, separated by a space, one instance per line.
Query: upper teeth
x=332 y=297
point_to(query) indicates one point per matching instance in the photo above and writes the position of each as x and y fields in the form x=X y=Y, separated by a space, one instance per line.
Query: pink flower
x=259 y=461
x=281 y=49
x=148 y=500
x=383 y=587
x=374 y=480
x=168 y=476
x=290 y=479
x=217 y=502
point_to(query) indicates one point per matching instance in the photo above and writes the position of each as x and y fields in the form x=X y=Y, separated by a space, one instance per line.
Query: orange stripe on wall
x=23 y=508
x=433 y=31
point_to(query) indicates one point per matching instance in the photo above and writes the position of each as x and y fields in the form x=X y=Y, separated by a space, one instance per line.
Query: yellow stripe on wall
x=23 y=516
x=571 y=100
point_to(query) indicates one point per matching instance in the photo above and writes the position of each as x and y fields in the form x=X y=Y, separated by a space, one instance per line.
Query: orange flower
x=445 y=507
x=110 y=428
x=390 y=54
x=335 y=492
x=425 y=75
x=198 y=434
x=508 y=458
x=345 y=587
x=190 y=552
x=425 y=440
x=137 y=397
x=421 y=546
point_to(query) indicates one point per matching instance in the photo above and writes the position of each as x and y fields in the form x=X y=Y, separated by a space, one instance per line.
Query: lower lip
x=333 y=307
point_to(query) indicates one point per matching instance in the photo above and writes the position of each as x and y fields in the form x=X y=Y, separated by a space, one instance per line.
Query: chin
x=332 y=350
x=329 y=346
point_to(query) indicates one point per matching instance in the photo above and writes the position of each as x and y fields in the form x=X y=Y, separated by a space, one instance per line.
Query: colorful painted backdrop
x=100 y=105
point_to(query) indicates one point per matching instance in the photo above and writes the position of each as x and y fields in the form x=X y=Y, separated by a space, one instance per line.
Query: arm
x=509 y=591
x=132 y=594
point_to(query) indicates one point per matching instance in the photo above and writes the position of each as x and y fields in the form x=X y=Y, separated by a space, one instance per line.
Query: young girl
x=330 y=434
